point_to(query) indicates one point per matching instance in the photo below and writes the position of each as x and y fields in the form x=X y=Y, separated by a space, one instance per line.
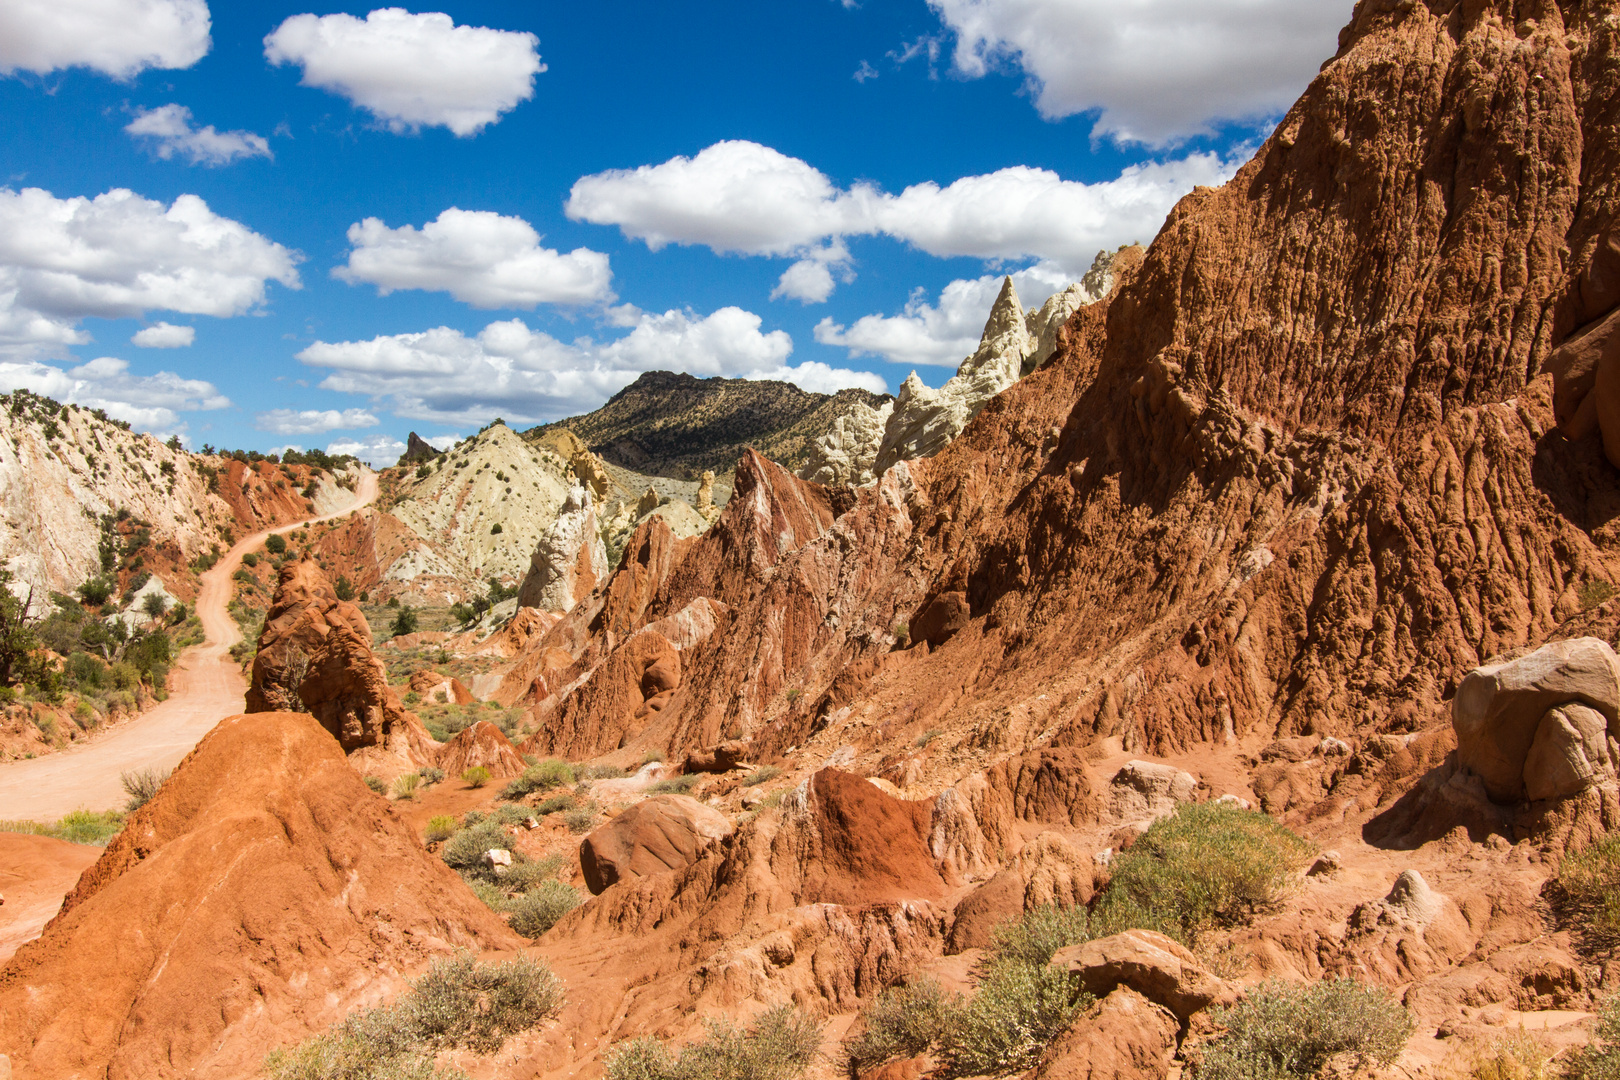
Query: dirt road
x=207 y=687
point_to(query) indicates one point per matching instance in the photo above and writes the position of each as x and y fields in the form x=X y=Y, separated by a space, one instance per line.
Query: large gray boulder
x=1542 y=725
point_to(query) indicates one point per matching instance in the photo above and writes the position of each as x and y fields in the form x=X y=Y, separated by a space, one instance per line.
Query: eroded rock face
x=481 y=744
x=237 y=911
x=665 y=832
x=570 y=560
x=846 y=455
x=1125 y=1036
x=315 y=656
x=1147 y=789
x=1540 y=726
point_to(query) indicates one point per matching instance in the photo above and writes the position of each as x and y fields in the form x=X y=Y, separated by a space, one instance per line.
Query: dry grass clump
x=1586 y=892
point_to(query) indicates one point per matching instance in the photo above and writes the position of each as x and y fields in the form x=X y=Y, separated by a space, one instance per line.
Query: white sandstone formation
x=569 y=560
x=847 y=454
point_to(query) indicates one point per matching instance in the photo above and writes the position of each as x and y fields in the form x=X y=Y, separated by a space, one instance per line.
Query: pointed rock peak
x=417 y=449
x=1007 y=314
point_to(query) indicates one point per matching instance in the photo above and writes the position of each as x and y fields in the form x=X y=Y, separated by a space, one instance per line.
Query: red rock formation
x=666 y=832
x=481 y=744
x=261 y=895
x=315 y=654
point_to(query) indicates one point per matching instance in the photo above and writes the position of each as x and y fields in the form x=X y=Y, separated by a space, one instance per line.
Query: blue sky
x=528 y=204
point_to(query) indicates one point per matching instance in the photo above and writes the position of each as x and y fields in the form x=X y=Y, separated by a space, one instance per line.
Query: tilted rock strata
x=570 y=559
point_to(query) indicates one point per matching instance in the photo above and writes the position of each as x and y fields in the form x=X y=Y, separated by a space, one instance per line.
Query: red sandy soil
x=35 y=873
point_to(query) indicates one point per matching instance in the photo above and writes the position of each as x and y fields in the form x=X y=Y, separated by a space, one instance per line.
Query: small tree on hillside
x=404 y=623
x=18 y=640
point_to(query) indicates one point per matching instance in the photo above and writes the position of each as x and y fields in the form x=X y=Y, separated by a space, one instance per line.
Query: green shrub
x=457 y=1004
x=404 y=623
x=344 y=588
x=460 y=1003
x=1283 y=1031
x=675 y=785
x=431 y=774
x=464 y=852
x=92 y=827
x=1038 y=934
x=547 y=774
x=376 y=784
x=580 y=820
x=538 y=910
x=1015 y=1011
x=1208 y=864
x=523 y=876
x=405 y=785
x=781 y=1045
x=761 y=776
x=275 y=544
x=140 y=785
x=250 y=559
x=440 y=827
x=555 y=804
x=1586 y=892
x=476 y=777
x=903 y=1022
x=1599 y=1059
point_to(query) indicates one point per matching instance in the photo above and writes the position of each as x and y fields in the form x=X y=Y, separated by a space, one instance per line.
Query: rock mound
x=1543 y=725
x=258 y=897
x=665 y=832
x=1151 y=964
x=481 y=744
x=315 y=656
x=570 y=559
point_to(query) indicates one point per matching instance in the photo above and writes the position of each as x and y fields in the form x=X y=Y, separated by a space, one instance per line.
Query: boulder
x=498 y=859
x=481 y=745
x=666 y=832
x=1598 y=290
x=1151 y=964
x=1125 y=1036
x=1145 y=789
x=717 y=759
x=1501 y=708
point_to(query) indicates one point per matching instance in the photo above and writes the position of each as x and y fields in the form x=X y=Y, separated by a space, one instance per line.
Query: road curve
x=207 y=686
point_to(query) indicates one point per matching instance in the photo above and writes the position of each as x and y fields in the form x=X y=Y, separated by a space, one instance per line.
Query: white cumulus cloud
x=807 y=280
x=942 y=333
x=1153 y=71
x=149 y=402
x=746 y=198
x=378 y=451
x=412 y=70
x=510 y=370
x=481 y=258
x=169 y=132
x=312 y=421
x=120 y=38
x=162 y=335
x=120 y=255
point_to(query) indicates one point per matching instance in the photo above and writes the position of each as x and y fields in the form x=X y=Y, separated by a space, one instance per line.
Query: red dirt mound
x=482 y=744
x=258 y=897
x=35 y=873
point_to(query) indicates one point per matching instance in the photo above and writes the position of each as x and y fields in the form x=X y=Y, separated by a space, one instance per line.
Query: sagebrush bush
x=1206 y=865
x=781 y=1045
x=375 y=783
x=1038 y=934
x=1586 y=892
x=1285 y=1031
x=539 y=777
x=464 y=852
x=475 y=777
x=763 y=775
x=537 y=910
x=523 y=876
x=1600 y=1059
x=461 y=1003
x=581 y=819
x=440 y=827
x=903 y=1022
x=458 y=1004
x=555 y=804
x=140 y=785
x=1015 y=1011
x=675 y=785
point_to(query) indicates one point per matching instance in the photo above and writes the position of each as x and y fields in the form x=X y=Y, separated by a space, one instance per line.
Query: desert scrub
x=1206 y=865
x=406 y=785
x=903 y=1022
x=93 y=827
x=1284 y=1031
x=781 y=1045
x=475 y=777
x=140 y=785
x=580 y=819
x=1586 y=892
x=375 y=783
x=440 y=827
x=554 y=805
x=763 y=775
x=1599 y=1059
x=536 y=911
x=675 y=785
x=1516 y=1056
x=464 y=852
x=542 y=776
x=459 y=1003
x=1039 y=934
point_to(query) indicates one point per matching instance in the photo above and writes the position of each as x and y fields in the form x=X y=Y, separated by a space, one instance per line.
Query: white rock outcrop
x=847 y=454
x=570 y=558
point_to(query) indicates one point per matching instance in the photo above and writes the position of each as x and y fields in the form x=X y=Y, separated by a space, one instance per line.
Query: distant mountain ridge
x=678 y=426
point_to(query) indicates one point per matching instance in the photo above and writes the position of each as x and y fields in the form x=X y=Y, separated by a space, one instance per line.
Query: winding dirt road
x=207 y=687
